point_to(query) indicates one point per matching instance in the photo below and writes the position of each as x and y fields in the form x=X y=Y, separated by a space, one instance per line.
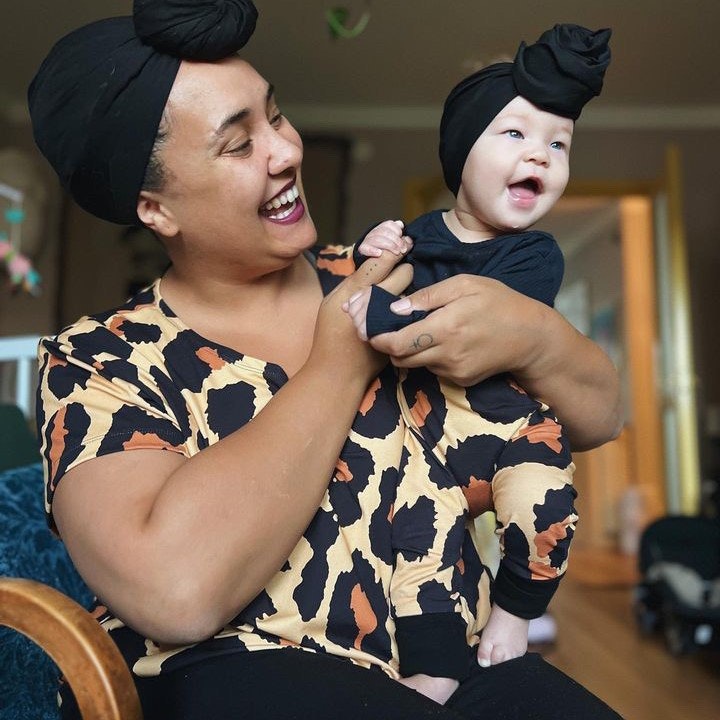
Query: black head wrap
x=97 y=100
x=559 y=73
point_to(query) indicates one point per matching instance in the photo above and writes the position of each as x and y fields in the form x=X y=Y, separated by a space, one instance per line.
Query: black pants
x=292 y=684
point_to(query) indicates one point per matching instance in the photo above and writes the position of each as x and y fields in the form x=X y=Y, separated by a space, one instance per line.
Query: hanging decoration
x=337 y=20
x=19 y=268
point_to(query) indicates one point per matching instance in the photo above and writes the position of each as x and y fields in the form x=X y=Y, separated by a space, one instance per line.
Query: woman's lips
x=285 y=215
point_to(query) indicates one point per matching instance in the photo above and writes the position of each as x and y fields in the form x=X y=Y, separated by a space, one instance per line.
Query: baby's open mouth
x=526 y=189
x=280 y=206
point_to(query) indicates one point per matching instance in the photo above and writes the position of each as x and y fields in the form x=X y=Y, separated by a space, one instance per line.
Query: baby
x=505 y=139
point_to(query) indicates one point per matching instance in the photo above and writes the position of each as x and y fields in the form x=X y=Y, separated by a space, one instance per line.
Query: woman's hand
x=335 y=334
x=480 y=327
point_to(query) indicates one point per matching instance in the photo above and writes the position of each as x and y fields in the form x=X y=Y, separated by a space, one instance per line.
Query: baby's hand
x=438 y=689
x=503 y=638
x=387 y=235
x=357 y=307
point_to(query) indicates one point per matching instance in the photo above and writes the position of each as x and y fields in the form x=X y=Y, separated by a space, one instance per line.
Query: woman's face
x=232 y=164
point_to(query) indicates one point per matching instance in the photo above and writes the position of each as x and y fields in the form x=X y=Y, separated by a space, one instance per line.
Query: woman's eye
x=276 y=119
x=240 y=149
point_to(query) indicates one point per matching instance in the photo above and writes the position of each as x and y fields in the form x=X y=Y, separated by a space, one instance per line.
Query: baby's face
x=516 y=170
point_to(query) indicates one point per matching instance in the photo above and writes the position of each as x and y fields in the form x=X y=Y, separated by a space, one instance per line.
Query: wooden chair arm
x=87 y=657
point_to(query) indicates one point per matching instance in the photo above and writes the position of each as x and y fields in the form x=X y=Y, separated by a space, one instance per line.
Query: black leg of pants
x=292 y=684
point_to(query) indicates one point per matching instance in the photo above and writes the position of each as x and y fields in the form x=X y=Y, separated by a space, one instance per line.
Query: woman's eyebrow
x=238 y=115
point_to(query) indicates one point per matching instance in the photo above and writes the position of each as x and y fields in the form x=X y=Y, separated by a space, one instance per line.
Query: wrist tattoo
x=422 y=341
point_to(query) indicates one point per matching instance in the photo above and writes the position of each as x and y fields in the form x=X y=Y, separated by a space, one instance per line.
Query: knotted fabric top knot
x=195 y=29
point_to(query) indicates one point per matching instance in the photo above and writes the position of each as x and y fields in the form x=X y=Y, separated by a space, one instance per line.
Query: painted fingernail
x=401 y=305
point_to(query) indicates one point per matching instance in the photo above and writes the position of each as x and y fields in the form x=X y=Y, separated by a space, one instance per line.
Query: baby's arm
x=389 y=236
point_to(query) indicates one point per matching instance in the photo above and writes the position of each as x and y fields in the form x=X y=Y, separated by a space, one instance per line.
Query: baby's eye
x=514 y=134
x=558 y=145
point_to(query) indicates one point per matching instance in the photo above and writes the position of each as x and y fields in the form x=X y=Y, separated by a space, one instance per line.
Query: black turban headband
x=559 y=73
x=98 y=98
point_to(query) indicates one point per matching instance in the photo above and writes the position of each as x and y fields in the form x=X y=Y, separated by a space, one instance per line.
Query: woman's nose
x=285 y=152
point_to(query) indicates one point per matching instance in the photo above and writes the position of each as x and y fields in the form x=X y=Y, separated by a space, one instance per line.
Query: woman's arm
x=177 y=546
x=480 y=327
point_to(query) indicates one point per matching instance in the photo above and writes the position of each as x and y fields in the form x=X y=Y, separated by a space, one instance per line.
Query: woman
x=236 y=379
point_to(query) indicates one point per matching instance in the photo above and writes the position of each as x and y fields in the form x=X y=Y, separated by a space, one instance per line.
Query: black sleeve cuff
x=520 y=596
x=433 y=644
x=381 y=319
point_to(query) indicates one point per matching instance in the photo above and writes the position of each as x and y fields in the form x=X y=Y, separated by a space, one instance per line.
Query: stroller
x=679 y=591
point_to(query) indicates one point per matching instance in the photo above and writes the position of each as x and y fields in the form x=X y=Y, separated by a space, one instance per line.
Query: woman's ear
x=155 y=215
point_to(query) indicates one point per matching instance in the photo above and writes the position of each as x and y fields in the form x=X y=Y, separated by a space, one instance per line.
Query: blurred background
x=364 y=82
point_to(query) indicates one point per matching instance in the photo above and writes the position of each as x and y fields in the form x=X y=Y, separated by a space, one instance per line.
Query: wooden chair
x=86 y=656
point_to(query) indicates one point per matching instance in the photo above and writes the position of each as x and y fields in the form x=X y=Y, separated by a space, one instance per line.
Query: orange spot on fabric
x=342 y=472
x=548 y=432
x=391 y=513
x=421 y=409
x=540 y=571
x=343 y=266
x=98 y=365
x=478 y=494
x=365 y=618
x=115 y=326
x=288 y=643
x=369 y=400
x=210 y=357
x=57 y=443
x=147 y=441
x=546 y=541
x=56 y=362
x=460 y=565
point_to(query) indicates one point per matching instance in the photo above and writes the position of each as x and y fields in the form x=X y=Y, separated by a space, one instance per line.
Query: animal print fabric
x=137 y=377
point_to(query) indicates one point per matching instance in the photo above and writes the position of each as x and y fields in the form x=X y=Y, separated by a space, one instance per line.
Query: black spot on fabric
x=135 y=332
x=383 y=415
x=320 y=534
x=63 y=379
x=286 y=566
x=201 y=440
x=380 y=529
x=473 y=570
x=174 y=400
x=308 y=642
x=186 y=369
x=130 y=419
x=522 y=450
x=438 y=474
x=359 y=599
x=230 y=408
x=77 y=418
x=517 y=551
x=557 y=506
x=419 y=382
x=474 y=457
x=274 y=376
x=414 y=529
x=433 y=597
x=257 y=609
x=123 y=370
x=497 y=401
x=452 y=549
x=99 y=342
x=344 y=494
